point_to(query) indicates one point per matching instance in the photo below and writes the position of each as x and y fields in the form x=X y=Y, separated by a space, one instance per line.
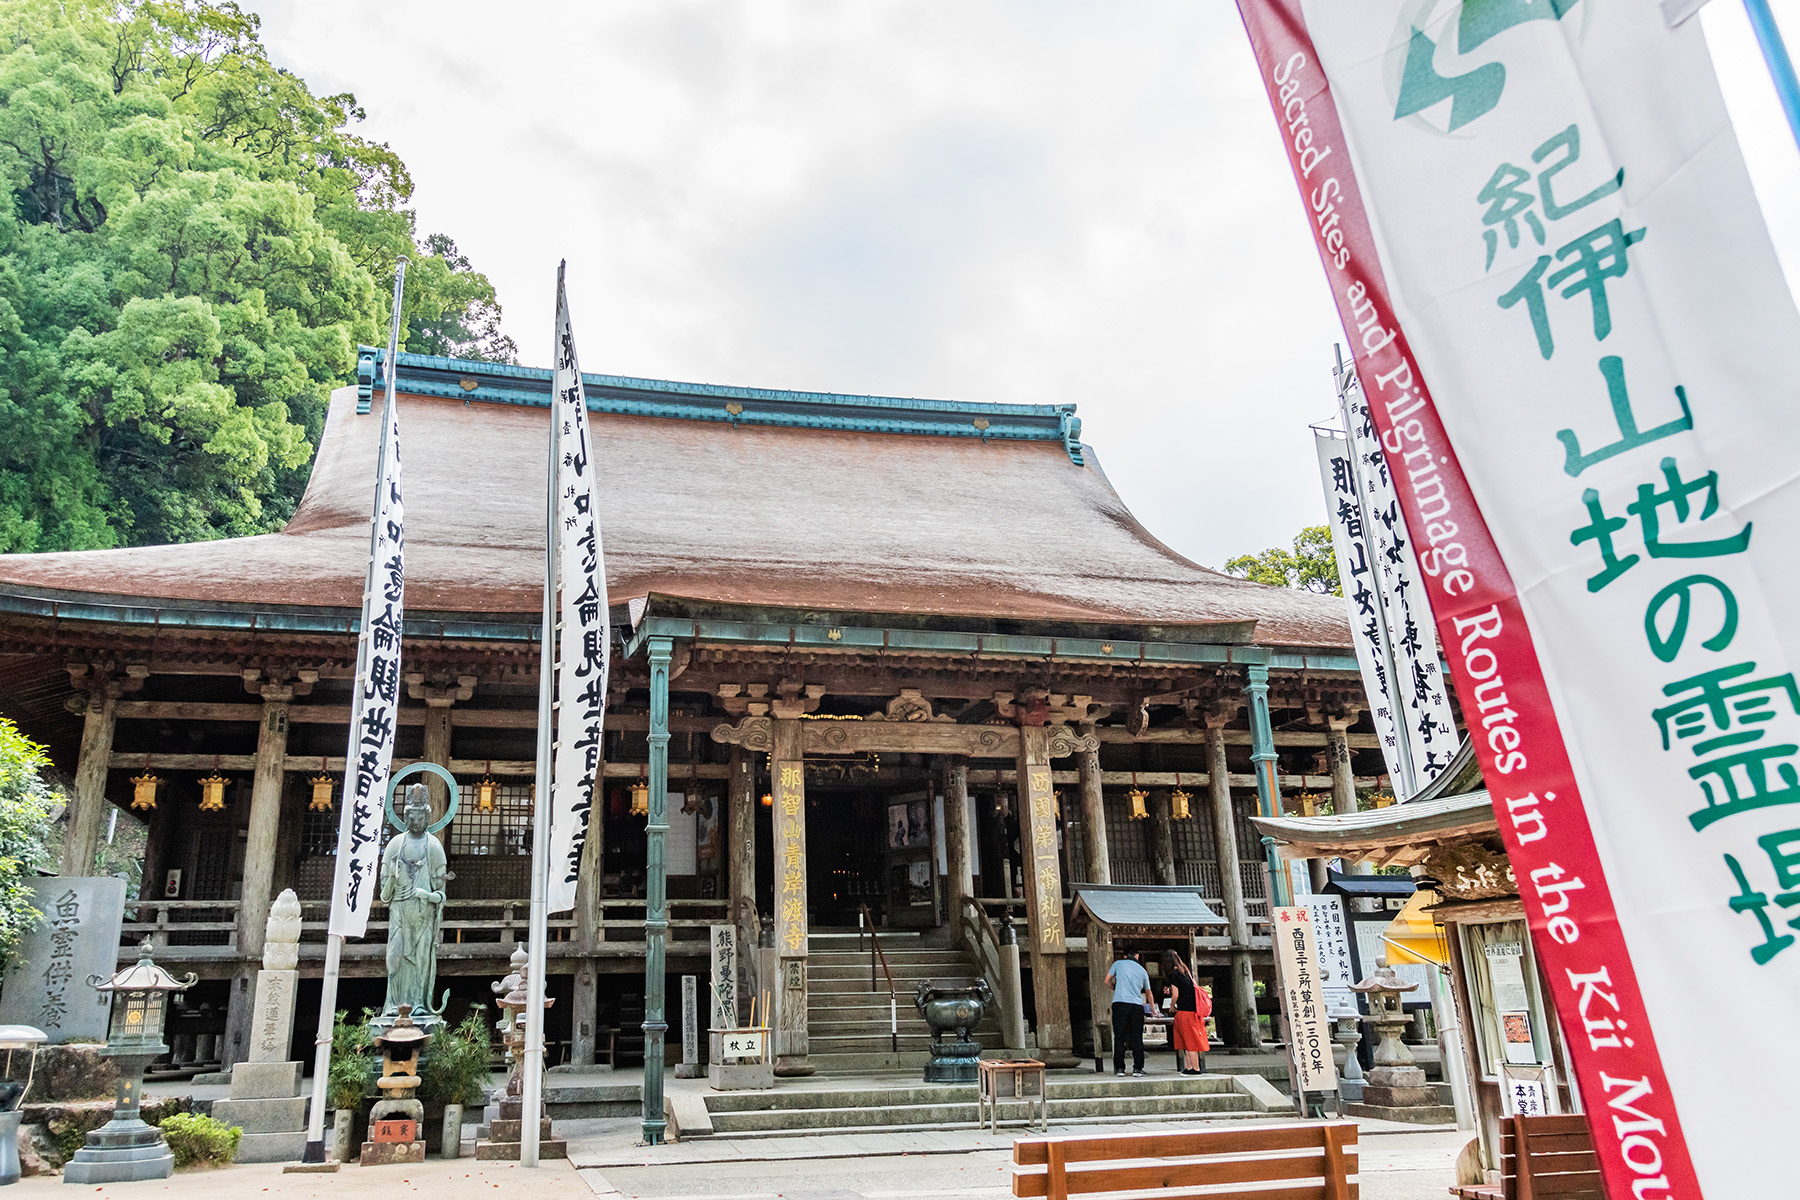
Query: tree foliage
x=193 y=248
x=25 y=804
x=1310 y=566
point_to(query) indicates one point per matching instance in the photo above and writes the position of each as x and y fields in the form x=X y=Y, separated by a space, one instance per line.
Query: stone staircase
x=1073 y=1097
x=848 y=1025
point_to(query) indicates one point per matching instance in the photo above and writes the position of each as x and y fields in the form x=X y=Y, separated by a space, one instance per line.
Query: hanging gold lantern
x=1180 y=805
x=212 y=792
x=322 y=785
x=640 y=799
x=1137 y=796
x=487 y=795
x=143 y=790
x=768 y=800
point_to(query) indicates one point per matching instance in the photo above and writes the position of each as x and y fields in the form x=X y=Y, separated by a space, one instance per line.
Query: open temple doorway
x=874 y=848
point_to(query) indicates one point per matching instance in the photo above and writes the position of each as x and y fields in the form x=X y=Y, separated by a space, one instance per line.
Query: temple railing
x=174 y=923
x=622 y=920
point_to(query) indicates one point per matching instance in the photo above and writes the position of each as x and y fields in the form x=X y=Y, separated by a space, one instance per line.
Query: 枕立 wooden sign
x=1580 y=355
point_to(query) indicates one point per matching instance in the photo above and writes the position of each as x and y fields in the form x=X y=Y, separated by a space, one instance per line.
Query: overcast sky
x=1034 y=201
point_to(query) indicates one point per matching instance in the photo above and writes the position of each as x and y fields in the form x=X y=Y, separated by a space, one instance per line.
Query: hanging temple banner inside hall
x=1542 y=240
x=376 y=703
x=1390 y=619
x=584 y=649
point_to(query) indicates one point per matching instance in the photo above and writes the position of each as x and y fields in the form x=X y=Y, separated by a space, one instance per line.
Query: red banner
x=1506 y=704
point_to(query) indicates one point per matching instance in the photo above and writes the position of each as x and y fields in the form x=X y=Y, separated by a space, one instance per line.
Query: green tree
x=1310 y=566
x=194 y=245
x=25 y=804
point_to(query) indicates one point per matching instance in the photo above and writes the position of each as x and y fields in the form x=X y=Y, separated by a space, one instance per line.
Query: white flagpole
x=533 y=1070
x=334 y=942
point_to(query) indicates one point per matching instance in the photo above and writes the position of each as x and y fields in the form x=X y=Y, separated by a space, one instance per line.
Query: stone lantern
x=125 y=1148
x=398 y=1118
x=1396 y=1089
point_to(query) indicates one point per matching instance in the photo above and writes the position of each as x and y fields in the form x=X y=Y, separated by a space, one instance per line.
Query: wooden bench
x=1316 y=1161
x=1542 y=1158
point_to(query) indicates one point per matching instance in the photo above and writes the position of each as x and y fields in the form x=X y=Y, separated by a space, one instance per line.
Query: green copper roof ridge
x=432 y=375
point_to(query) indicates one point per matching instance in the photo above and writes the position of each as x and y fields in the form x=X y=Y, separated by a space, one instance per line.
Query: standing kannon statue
x=413 y=874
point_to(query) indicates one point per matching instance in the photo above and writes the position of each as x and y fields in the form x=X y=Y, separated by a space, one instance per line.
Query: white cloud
x=1026 y=201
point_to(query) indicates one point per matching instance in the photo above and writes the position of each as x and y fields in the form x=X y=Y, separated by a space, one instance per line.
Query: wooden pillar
x=437 y=750
x=1242 y=1029
x=584 y=1015
x=787 y=766
x=1337 y=752
x=1093 y=815
x=85 y=815
x=1043 y=897
x=264 y=832
x=740 y=857
x=961 y=881
x=1162 y=839
x=1099 y=870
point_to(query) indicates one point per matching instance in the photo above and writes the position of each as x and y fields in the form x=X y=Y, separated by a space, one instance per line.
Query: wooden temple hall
x=911 y=662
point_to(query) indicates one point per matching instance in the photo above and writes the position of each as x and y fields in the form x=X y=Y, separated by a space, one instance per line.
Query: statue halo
x=399 y=822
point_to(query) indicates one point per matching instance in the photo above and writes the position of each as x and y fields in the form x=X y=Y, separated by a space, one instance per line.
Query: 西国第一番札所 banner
x=1582 y=359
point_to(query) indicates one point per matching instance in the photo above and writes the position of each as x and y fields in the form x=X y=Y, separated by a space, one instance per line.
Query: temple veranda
x=898 y=661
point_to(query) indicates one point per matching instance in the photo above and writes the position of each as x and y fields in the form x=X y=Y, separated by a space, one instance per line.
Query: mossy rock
x=77 y=1071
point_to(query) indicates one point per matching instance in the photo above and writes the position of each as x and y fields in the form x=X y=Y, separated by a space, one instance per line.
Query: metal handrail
x=868 y=922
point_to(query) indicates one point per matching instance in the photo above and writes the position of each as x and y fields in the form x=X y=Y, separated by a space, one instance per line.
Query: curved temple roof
x=792 y=501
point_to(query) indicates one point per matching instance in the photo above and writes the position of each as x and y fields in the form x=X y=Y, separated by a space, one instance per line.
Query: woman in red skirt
x=1192 y=1007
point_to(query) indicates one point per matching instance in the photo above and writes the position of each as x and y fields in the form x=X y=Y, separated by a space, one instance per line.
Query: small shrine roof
x=737 y=497
x=1170 y=907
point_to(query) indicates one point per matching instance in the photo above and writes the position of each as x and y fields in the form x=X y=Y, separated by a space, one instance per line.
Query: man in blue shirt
x=1131 y=991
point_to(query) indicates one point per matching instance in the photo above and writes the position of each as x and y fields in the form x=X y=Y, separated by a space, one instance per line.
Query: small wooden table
x=1002 y=1079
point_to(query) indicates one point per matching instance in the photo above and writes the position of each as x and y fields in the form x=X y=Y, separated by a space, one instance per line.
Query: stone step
x=940 y=1115
x=1091 y=1088
x=509 y=1151
x=568 y=1102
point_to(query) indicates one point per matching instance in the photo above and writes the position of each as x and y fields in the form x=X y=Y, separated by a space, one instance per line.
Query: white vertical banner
x=1584 y=364
x=1303 y=996
x=583 y=646
x=375 y=702
x=1378 y=569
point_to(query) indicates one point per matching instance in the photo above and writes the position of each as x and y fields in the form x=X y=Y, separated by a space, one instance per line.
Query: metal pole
x=314 y=1151
x=1781 y=67
x=1408 y=784
x=1268 y=788
x=532 y=1077
x=656 y=886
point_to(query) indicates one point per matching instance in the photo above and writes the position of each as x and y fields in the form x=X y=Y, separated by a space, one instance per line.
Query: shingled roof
x=716 y=495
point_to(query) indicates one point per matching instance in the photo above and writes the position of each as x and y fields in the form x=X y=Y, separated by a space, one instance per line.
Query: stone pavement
x=1398 y=1163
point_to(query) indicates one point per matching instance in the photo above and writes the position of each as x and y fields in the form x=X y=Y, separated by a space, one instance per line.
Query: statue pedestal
x=267 y=1103
x=504 y=1133
x=953 y=1062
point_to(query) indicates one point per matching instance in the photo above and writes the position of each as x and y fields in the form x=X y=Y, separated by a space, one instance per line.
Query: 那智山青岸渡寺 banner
x=1583 y=361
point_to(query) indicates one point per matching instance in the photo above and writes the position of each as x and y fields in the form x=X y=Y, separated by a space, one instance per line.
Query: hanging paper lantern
x=321 y=793
x=143 y=791
x=212 y=793
x=1180 y=805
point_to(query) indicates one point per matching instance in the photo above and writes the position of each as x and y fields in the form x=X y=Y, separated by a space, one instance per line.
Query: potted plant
x=455 y=1073
x=352 y=1064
